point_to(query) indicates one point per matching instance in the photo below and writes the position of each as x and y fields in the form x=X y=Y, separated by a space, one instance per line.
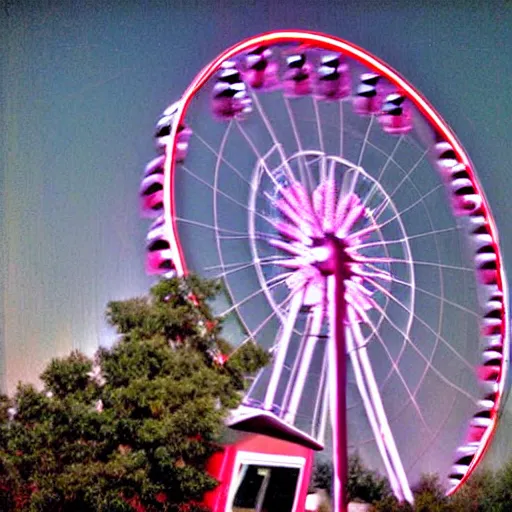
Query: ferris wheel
x=354 y=242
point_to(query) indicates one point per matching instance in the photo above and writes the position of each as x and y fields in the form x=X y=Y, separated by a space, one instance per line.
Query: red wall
x=221 y=466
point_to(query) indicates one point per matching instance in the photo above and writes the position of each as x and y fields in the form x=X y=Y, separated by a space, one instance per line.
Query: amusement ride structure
x=353 y=240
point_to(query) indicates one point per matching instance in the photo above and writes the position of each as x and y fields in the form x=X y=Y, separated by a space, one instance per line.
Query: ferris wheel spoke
x=319 y=126
x=384 y=248
x=304 y=171
x=395 y=217
x=385 y=154
x=434 y=435
x=414 y=204
x=229 y=271
x=321 y=410
x=389 y=159
x=421 y=321
x=282 y=349
x=379 y=244
x=395 y=368
x=220 y=154
x=426 y=360
x=311 y=339
x=241 y=263
x=254 y=332
x=376 y=414
x=270 y=129
x=248 y=298
x=296 y=363
x=384 y=242
x=357 y=168
x=365 y=141
x=210 y=226
x=332 y=170
x=427 y=263
x=257 y=236
x=435 y=296
x=222 y=193
x=407 y=176
x=262 y=160
x=348 y=184
x=370 y=144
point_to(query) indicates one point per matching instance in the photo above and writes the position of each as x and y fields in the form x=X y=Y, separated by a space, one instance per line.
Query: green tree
x=499 y=493
x=322 y=476
x=132 y=429
x=429 y=495
x=363 y=485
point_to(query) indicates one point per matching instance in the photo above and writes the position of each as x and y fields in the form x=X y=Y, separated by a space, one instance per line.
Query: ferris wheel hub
x=329 y=252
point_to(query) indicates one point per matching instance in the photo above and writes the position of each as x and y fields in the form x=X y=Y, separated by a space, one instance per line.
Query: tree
x=429 y=495
x=322 y=476
x=363 y=485
x=133 y=428
x=485 y=491
x=498 y=491
x=477 y=494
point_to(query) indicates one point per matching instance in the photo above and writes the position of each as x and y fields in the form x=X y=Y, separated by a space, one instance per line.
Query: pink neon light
x=373 y=63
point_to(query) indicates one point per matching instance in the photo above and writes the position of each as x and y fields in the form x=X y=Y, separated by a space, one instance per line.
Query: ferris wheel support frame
x=337 y=376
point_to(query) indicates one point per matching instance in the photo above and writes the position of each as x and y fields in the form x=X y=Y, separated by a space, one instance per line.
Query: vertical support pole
x=338 y=377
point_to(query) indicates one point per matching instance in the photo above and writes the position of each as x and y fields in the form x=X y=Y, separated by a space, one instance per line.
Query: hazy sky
x=82 y=84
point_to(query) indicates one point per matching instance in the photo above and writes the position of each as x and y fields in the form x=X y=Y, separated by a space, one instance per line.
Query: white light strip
x=305 y=363
x=385 y=429
x=284 y=341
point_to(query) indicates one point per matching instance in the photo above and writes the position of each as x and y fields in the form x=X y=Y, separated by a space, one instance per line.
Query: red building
x=258 y=473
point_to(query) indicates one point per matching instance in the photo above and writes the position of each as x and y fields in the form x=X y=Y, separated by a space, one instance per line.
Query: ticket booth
x=258 y=473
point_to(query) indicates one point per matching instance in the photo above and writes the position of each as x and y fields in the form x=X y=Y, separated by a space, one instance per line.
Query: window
x=265 y=488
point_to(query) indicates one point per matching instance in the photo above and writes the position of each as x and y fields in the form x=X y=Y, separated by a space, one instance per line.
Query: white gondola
x=368 y=98
x=299 y=76
x=396 y=116
x=261 y=71
x=231 y=99
x=159 y=256
x=151 y=195
x=332 y=78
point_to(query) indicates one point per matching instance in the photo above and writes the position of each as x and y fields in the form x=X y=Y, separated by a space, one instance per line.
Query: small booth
x=267 y=471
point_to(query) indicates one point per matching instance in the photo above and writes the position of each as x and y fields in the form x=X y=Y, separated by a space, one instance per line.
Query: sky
x=82 y=84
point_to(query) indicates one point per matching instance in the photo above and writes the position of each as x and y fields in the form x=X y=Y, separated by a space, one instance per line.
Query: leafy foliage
x=132 y=429
x=363 y=485
x=485 y=491
x=322 y=476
